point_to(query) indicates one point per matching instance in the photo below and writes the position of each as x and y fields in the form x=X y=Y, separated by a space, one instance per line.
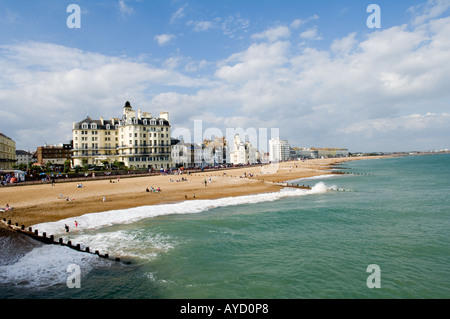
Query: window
x=153 y=122
x=108 y=127
x=84 y=126
x=145 y=122
x=161 y=122
x=94 y=126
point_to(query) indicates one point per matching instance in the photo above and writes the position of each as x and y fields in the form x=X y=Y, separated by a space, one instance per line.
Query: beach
x=34 y=204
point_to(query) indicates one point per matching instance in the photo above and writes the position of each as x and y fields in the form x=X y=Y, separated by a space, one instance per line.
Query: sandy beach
x=34 y=204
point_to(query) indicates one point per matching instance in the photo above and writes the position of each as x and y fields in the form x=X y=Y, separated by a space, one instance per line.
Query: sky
x=318 y=72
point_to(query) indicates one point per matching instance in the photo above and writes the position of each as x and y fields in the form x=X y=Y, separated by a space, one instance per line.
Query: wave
x=46 y=266
x=132 y=215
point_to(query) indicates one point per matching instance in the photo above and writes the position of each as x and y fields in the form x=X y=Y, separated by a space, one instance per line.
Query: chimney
x=164 y=115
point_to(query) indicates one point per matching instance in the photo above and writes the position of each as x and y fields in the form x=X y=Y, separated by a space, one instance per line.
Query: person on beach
x=67 y=228
x=76 y=225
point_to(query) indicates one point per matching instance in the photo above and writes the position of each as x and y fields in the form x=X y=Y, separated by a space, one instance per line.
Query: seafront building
x=218 y=150
x=7 y=152
x=243 y=152
x=313 y=152
x=209 y=153
x=137 y=139
x=182 y=155
x=24 y=157
x=53 y=154
x=279 y=150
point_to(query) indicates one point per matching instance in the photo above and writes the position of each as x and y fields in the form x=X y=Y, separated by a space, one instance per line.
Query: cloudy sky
x=312 y=69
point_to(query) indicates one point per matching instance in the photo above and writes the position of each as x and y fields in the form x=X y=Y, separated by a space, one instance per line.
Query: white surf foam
x=128 y=216
x=46 y=266
x=128 y=243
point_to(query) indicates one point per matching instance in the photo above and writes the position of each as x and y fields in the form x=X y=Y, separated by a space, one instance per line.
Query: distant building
x=54 y=154
x=332 y=152
x=137 y=139
x=279 y=150
x=7 y=152
x=23 y=157
x=182 y=155
x=243 y=152
x=218 y=150
x=305 y=153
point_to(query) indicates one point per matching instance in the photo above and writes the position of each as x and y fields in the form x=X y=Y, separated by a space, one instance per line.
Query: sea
x=379 y=231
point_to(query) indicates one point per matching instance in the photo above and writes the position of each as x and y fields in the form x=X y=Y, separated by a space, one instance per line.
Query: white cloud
x=125 y=10
x=274 y=34
x=45 y=87
x=201 y=25
x=254 y=62
x=386 y=90
x=429 y=10
x=234 y=25
x=164 y=39
x=311 y=34
x=344 y=45
x=179 y=14
x=371 y=93
x=299 y=22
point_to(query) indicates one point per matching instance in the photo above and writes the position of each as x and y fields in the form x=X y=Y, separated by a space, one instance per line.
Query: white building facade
x=279 y=150
x=137 y=139
x=243 y=152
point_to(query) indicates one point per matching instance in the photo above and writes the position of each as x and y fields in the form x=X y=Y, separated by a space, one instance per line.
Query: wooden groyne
x=50 y=240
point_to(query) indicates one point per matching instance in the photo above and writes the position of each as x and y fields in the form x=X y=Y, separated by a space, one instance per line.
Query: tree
x=66 y=166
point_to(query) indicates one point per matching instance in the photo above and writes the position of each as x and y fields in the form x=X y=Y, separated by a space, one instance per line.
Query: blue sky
x=313 y=69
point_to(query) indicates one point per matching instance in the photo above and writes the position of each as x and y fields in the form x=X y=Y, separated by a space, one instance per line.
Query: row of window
x=149 y=159
x=135 y=121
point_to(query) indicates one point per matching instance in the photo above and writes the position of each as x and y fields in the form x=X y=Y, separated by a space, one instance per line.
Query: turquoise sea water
x=394 y=213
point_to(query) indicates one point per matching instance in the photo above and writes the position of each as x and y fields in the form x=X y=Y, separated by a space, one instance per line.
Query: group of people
x=80 y=185
x=183 y=179
x=206 y=181
x=66 y=227
x=153 y=190
x=6 y=209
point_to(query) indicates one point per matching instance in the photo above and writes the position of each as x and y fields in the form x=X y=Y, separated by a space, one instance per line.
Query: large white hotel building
x=137 y=139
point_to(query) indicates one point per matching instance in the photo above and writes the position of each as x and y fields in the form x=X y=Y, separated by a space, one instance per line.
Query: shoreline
x=36 y=204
